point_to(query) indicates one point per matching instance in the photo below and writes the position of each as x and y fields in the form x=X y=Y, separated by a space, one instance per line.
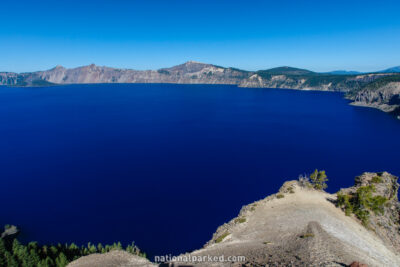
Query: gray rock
x=10 y=231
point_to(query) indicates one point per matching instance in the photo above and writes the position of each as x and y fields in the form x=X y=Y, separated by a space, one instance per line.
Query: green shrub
x=280 y=196
x=307 y=235
x=240 y=220
x=361 y=203
x=221 y=237
x=377 y=204
x=343 y=201
x=363 y=215
x=376 y=180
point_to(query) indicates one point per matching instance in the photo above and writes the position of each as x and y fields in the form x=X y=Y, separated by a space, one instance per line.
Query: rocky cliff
x=383 y=94
x=372 y=90
x=311 y=81
x=188 y=73
x=299 y=226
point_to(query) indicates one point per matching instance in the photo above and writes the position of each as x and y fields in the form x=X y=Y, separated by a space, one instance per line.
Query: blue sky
x=317 y=35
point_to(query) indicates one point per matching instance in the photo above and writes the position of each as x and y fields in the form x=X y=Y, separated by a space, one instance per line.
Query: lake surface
x=165 y=165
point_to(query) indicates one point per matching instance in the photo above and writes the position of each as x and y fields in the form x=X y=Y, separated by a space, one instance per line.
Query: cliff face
x=385 y=97
x=310 y=81
x=378 y=90
x=189 y=73
x=299 y=226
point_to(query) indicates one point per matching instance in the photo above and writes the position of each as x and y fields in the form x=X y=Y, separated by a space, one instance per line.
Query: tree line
x=15 y=254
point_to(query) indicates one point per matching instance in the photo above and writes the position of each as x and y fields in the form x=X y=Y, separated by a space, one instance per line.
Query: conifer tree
x=11 y=260
x=2 y=253
x=61 y=260
x=319 y=179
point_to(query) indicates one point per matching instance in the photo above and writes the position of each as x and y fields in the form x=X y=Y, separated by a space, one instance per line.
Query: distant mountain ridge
x=193 y=72
x=287 y=70
x=344 y=72
x=189 y=72
x=391 y=70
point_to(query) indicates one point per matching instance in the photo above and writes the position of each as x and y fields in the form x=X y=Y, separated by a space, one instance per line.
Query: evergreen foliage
x=319 y=179
x=15 y=254
x=361 y=203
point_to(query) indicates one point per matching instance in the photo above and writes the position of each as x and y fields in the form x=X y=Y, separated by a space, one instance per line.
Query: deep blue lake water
x=164 y=165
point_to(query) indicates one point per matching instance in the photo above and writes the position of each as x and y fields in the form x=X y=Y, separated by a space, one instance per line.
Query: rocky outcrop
x=385 y=224
x=10 y=231
x=385 y=97
x=310 y=81
x=298 y=226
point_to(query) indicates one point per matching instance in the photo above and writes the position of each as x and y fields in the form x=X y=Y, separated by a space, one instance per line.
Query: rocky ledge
x=301 y=226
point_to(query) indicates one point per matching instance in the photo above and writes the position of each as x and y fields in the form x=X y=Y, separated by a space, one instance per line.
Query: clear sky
x=318 y=35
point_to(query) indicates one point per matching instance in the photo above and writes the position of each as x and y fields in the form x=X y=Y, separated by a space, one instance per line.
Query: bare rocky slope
x=188 y=73
x=364 y=89
x=298 y=226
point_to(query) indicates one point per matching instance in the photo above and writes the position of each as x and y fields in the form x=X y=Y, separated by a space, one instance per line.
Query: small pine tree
x=11 y=260
x=73 y=246
x=61 y=260
x=43 y=263
x=24 y=257
x=45 y=250
x=92 y=249
x=2 y=247
x=34 y=257
x=53 y=251
x=32 y=245
x=49 y=261
x=2 y=252
x=16 y=246
x=319 y=179
x=99 y=247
